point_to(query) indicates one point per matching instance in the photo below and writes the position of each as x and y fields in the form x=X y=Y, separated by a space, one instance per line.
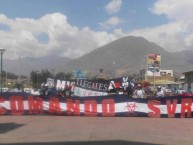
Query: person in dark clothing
x=130 y=91
x=68 y=90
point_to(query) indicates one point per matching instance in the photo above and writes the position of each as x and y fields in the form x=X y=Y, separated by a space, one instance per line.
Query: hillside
x=128 y=54
x=25 y=65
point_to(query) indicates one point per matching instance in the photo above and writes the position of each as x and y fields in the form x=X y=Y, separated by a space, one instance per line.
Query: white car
x=180 y=91
x=15 y=90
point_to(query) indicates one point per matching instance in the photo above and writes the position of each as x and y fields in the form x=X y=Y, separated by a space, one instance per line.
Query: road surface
x=72 y=130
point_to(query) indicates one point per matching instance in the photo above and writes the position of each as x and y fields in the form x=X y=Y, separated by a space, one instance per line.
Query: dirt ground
x=58 y=130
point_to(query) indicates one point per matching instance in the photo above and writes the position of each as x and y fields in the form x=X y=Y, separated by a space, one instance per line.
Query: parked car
x=15 y=90
x=5 y=89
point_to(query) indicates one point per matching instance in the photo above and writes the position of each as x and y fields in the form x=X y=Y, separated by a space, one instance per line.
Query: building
x=164 y=78
x=188 y=81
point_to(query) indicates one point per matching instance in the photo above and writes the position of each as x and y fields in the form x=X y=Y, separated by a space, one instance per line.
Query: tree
x=34 y=78
x=60 y=76
x=38 y=77
x=9 y=75
x=44 y=75
x=68 y=76
x=63 y=76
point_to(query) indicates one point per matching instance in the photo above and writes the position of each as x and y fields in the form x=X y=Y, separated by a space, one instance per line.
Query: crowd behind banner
x=106 y=106
x=119 y=86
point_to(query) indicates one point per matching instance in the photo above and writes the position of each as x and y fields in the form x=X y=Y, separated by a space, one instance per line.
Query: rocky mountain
x=128 y=54
x=125 y=56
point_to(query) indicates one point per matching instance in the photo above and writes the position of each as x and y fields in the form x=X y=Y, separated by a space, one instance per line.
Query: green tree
x=60 y=76
x=38 y=77
x=44 y=75
x=68 y=75
x=63 y=76
x=34 y=78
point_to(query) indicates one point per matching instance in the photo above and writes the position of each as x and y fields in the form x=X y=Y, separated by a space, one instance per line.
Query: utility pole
x=1 y=51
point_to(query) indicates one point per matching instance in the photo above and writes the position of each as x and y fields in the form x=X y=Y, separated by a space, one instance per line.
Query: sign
x=64 y=84
x=85 y=92
x=153 y=64
x=101 y=86
x=50 y=82
x=86 y=87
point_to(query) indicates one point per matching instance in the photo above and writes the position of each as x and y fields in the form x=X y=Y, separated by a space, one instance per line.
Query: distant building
x=188 y=80
x=164 y=75
x=166 y=78
x=102 y=74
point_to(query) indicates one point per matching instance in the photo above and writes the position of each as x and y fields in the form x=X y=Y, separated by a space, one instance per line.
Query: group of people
x=132 y=91
x=159 y=91
x=139 y=92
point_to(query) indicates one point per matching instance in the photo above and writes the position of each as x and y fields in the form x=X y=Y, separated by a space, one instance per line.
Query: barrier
x=106 y=106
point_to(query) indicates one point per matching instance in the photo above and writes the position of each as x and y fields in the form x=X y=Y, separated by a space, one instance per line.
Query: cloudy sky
x=71 y=28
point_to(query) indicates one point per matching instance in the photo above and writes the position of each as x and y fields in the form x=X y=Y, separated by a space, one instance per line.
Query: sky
x=72 y=28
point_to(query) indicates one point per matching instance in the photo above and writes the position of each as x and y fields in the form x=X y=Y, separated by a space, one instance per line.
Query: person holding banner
x=68 y=90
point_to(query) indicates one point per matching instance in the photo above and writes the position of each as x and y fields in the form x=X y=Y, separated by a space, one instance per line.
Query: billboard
x=153 y=64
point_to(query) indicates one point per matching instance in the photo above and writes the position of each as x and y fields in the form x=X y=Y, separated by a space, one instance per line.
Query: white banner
x=85 y=93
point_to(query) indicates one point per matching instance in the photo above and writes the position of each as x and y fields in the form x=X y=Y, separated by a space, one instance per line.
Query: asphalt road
x=58 y=130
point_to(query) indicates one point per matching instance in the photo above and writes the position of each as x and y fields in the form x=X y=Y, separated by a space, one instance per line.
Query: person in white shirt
x=139 y=92
x=180 y=91
x=160 y=92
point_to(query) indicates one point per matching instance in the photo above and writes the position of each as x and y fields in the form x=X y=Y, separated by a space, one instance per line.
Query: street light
x=116 y=69
x=18 y=67
x=1 y=51
x=37 y=72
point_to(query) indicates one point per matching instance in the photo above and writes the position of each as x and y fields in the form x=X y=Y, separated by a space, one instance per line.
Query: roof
x=187 y=72
x=167 y=83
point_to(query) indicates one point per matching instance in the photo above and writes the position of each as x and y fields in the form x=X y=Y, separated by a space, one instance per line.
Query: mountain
x=25 y=65
x=126 y=56
x=129 y=54
x=181 y=61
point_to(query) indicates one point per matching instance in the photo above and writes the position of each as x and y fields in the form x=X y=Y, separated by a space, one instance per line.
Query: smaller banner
x=50 y=82
x=84 y=87
x=85 y=92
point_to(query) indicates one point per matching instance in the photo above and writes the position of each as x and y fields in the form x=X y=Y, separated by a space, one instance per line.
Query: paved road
x=58 y=130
